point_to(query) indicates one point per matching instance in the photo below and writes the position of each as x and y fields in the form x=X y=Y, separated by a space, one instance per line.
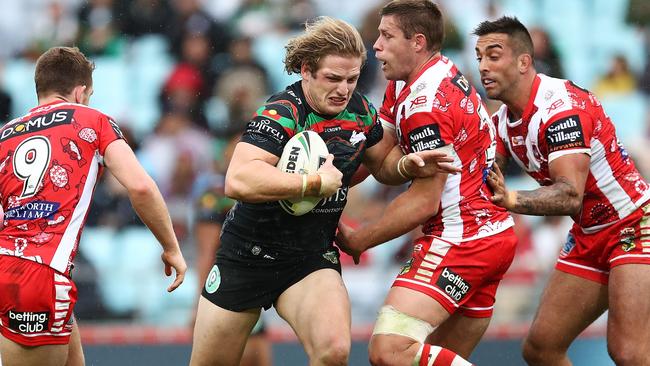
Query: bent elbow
x=143 y=188
x=235 y=189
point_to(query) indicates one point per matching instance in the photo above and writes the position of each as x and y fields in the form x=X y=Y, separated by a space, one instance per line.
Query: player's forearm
x=559 y=199
x=388 y=172
x=404 y=213
x=502 y=162
x=150 y=207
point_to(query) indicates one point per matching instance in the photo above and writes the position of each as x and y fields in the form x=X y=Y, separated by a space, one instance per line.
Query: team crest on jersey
x=406 y=267
x=213 y=281
x=37 y=123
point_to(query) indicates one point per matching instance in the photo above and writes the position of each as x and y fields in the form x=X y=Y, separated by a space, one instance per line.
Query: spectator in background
x=189 y=17
x=547 y=59
x=141 y=17
x=98 y=33
x=182 y=94
x=618 y=80
x=241 y=87
x=56 y=26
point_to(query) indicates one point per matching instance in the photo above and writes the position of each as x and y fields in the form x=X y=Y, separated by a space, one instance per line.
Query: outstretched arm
x=148 y=204
x=389 y=165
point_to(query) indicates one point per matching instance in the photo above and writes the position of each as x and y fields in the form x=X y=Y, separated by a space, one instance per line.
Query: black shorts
x=249 y=275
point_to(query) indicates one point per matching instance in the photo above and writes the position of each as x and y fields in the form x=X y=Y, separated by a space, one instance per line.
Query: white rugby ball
x=304 y=153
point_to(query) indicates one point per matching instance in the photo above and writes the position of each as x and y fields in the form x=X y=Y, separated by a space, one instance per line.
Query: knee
x=625 y=353
x=534 y=351
x=335 y=353
x=381 y=353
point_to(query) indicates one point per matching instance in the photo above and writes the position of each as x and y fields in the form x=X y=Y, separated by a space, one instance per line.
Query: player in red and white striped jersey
x=50 y=161
x=561 y=136
x=447 y=288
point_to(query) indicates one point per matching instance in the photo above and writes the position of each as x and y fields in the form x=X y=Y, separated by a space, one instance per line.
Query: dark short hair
x=61 y=69
x=521 y=40
x=418 y=16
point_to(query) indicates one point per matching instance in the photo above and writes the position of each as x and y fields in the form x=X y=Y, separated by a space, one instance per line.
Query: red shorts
x=36 y=303
x=460 y=276
x=591 y=256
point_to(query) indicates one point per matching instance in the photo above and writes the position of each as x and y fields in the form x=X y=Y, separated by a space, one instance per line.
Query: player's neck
x=520 y=96
x=53 y=98
x=418 y=69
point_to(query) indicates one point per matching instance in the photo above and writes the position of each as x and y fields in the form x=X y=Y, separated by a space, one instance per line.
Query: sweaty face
x=497 y=64
x=393 y=50
x=329 y=89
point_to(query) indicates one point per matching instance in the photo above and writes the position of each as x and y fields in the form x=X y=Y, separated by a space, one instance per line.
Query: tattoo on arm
x=558 y=199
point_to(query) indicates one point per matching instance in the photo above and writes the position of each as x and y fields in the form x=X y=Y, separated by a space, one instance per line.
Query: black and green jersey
x=347 y=135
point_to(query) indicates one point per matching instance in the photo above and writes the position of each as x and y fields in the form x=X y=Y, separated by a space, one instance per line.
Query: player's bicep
x=123 y=164
x=572 y=169
x=246 y=153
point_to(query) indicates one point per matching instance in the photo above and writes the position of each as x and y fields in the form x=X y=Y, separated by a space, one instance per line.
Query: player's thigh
x=14 y=354
x=459 y=333
x=220 y=335
x=629 y=304
x=75 y=351
x=569 y=304
x=318 y=309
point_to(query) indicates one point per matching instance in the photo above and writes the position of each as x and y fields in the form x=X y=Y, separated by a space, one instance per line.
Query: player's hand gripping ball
x=304 y=153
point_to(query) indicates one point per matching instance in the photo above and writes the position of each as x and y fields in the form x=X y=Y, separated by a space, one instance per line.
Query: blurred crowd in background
x=182 y=78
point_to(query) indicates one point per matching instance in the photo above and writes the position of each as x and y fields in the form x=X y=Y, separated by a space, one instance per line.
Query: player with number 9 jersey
x=50 y=161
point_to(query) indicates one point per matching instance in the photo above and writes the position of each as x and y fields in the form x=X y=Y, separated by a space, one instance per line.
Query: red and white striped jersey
x=562 y=118
x=440 y=108
x=50 y=160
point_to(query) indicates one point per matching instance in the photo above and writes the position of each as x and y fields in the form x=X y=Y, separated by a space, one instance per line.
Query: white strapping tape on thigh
x=391 y=321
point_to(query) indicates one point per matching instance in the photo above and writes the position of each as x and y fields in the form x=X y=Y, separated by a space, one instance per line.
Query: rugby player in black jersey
x=270 y=258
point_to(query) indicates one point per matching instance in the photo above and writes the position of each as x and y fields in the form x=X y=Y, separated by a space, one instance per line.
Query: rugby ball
x=304 y=153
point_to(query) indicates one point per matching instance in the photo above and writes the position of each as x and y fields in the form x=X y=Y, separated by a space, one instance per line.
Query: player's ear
x=305 y=71
x=78 y=95
x=420 y=41
x=524 y=63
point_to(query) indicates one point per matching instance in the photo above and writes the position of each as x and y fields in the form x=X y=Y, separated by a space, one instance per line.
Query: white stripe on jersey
x=68 y=240
x=607 y=183
x=452 y=219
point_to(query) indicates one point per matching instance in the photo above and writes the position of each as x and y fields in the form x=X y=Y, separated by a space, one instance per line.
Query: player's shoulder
x=286 y=104
x=556 y=98
x=360 y=105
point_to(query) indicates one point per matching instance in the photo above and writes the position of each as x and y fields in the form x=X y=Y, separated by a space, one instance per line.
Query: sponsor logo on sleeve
x=33 y=211
x=565 y=133
x=28 y=321
x=425 y=138
x=461 y=82
x=266 y=127
x=453 y=284
x=37 y=123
